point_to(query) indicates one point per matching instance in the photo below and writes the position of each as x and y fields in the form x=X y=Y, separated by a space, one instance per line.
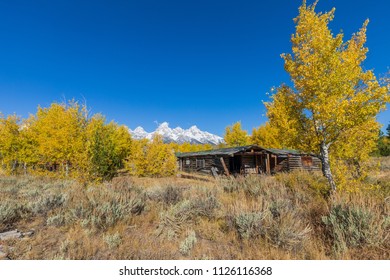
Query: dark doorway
x=235 y=164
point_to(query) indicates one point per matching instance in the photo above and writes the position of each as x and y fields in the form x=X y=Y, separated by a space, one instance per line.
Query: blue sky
x=208 y=63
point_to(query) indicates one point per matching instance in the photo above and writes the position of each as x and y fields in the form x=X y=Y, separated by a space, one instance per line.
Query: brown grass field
x=287 y=216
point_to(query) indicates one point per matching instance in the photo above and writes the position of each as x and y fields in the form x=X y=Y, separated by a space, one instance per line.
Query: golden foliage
x=266 y=136
x=236 y=136
x=151 y=158
x=334 y=102
x=188 y=147
x=9 y=140
x=58 y=130
x=62 y=140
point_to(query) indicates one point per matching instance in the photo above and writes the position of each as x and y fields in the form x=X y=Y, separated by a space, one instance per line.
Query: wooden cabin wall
x=218 y=163
x=316 y=165
x=281 y=165
x=295 y=163
x=210 y=161
x=248 y=161
x=248 y=164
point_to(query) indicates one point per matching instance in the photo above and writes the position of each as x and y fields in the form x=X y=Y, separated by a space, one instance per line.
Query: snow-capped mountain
x=179 y=135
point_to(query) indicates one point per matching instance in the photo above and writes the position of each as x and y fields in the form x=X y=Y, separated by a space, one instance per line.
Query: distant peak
x=178 y=128
x=178 y=134
x=164 y=124
x=139 y=129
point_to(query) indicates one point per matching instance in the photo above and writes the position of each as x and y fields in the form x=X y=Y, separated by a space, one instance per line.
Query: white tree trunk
x=67 y=169
x=324 y=150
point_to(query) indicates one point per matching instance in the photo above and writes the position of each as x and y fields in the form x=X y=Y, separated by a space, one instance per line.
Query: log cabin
x=250 y=159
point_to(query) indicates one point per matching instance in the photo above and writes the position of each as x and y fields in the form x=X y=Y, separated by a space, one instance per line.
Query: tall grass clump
x=10 y=212
x=102 y=207
x=46 y=202
x=186 y=213
x=357 y=226
x=168 y=195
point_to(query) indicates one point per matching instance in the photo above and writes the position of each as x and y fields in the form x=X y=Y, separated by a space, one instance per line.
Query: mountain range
x=179 y=135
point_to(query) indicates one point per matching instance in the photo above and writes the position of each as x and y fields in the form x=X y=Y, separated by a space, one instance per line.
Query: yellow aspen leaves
x=236 y=136
x=334 y=100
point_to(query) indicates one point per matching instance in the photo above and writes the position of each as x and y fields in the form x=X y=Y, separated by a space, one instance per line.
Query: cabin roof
x=234 y=150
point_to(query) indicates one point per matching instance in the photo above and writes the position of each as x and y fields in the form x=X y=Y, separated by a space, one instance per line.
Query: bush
x=169 y=195
x=288 y=231
x=46 y=203
x=10 y=213
x=353 y=227
x=56 y=220
x=249 y=225
x=112 y=240
x=188 y=243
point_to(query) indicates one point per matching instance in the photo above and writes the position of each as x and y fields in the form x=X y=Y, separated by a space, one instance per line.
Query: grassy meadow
x=287 y=216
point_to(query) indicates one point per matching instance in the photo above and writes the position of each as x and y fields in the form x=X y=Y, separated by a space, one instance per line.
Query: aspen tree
x=236 y=136
x=266 y=136
x=332 y=96
x=59 y=131
x=9 y=141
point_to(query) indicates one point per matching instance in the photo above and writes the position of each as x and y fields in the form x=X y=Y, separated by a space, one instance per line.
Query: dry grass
x=288 y=216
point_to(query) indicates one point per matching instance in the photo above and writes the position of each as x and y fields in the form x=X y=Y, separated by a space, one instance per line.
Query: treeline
x=64 y=140
x=383 y=146
x=265 y=136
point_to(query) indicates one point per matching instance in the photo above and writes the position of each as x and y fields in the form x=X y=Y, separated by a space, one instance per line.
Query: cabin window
x=307 y=161
x=188 y=162
x=201 y=163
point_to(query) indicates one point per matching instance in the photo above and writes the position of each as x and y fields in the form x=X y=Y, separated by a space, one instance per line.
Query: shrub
x=46 y=203
x=112 y=240
x=287 y=231
x=249 y=225
x=353 y=227
x=104 y=207
x=56 y=220
x=172 y=195
x=169 y=195
x=183 y=214
x=229 y=185
x=10 y=213
x=188 y=243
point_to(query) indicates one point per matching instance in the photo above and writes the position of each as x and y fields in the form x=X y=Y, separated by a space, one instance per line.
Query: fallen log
x=10 y=235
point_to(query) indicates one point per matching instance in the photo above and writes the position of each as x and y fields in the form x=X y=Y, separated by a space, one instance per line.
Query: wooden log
x=257 y=165
x=224 y=166
x=268 y=165
x=288 y=162
x=28 y=233
x=10 y=235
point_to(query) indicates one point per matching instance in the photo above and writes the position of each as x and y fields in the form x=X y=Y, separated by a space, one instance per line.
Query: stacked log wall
x=248 y=161
x=210 y=161
x=281 y=165
x=295 y=163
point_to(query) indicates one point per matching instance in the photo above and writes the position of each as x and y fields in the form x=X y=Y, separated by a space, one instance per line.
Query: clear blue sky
x=196 y=62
